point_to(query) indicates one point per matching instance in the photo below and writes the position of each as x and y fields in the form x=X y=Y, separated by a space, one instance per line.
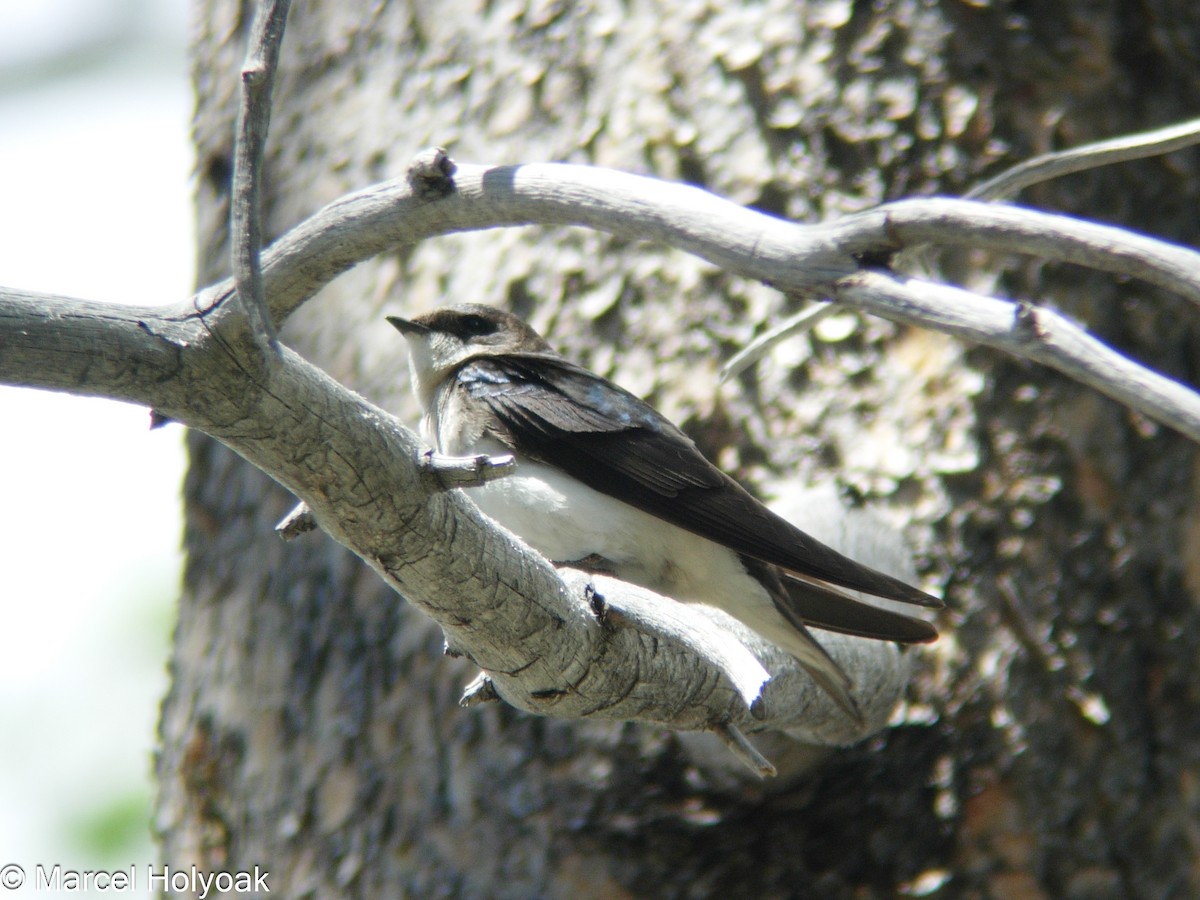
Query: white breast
x=565 y=520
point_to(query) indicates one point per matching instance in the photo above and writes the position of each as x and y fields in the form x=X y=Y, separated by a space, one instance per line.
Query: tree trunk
x=1048 y=747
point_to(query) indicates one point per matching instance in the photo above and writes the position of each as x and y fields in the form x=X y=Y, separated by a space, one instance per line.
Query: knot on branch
x=1026 y=322
x=431 y=173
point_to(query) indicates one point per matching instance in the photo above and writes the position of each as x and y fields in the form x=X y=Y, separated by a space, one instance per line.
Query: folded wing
x=617 y=444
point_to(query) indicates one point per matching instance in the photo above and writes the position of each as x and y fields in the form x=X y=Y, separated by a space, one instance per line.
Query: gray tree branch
x=786 y=255
x=1025 y=330
x=254 y=118
x=553 y=643
x=546 y=641
x=807 y=259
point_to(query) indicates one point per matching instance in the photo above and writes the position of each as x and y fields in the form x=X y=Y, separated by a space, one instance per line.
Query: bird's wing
x=617 y=444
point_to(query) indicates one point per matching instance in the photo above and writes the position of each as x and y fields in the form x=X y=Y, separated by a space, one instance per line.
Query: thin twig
x=1090 y=706
x=254 y=119
x=1089 y=156
x=741 y=747
x=795 y=324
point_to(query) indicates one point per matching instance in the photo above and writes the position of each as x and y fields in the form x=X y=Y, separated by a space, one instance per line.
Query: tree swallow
x=602 y=475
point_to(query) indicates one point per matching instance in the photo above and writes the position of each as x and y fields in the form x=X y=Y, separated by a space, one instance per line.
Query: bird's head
x=441 y=341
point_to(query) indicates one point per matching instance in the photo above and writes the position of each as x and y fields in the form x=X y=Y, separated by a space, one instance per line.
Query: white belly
x=566 y=521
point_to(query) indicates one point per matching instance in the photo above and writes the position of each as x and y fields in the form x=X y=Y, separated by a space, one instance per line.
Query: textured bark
x=312 y=725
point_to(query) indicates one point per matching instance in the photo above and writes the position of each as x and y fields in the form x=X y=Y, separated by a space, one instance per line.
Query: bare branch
x=1028 y=331
x=805 y=259
x=87 y=348
x=254 y=118
x=796 y=258
x=533 y=629
x=674 y=622
x=1007 y=183
x=1011 y=229
x=1090 y=156
x=384 y=216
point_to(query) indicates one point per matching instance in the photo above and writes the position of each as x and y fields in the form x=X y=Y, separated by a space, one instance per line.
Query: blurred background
x=95 y=169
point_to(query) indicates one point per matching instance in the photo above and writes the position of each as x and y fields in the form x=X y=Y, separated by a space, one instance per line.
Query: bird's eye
x=477 y=326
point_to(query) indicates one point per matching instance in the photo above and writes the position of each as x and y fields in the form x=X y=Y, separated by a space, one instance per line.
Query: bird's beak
x=407 y=326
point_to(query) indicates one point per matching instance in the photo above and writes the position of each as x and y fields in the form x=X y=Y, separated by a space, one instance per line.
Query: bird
x=603 y=476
